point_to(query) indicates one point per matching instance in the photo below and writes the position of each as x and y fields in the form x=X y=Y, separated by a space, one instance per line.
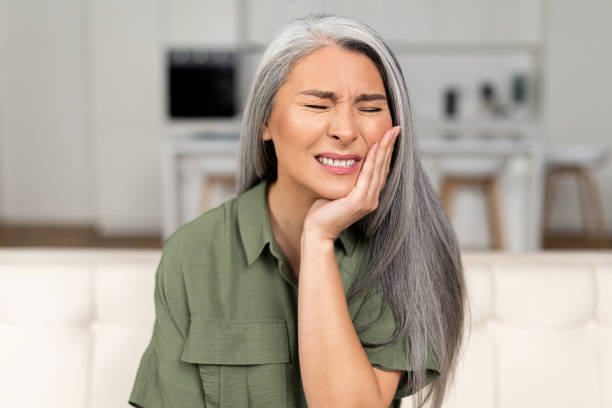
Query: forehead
x=333 y=67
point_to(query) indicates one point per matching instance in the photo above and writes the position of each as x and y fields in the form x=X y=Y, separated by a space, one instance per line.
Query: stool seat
x=585 y=155
x=471 y=166
x=579 y=160
x=474 y=171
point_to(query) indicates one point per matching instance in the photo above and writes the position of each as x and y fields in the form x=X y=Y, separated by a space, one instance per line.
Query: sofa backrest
x=541 y=331
x=74 y=323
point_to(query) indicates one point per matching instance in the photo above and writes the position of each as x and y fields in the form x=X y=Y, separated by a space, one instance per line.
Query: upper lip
x=337 y=156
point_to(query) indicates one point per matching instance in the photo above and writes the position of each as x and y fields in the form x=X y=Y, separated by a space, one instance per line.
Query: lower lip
x=340 y=170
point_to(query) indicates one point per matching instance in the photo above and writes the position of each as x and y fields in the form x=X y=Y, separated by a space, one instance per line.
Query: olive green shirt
x=225 y=332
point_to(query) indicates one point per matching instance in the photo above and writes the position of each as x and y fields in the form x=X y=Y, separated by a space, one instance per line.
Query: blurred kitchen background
x=119 y=120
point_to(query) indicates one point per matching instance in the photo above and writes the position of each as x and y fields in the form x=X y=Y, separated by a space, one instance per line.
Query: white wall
x=125 y=78
x=81 y=93
x=578 y=92
x=45 y=153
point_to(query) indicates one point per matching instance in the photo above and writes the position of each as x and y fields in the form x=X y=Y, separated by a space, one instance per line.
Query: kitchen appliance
x=201 y=83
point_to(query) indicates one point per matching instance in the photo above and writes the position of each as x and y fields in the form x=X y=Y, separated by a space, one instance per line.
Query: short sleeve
x=162 y=379
x=393 y=356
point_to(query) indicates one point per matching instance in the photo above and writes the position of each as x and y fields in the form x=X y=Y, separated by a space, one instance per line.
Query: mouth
x=343 y=163
x=339 y=166
x=337 y=159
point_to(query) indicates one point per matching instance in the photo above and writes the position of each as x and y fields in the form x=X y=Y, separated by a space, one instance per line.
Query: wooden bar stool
x=477 y=172
x=212 y=181
x=579 y=161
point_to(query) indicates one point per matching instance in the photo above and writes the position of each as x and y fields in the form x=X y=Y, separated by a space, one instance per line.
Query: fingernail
x=397 y=131
x=375 y=147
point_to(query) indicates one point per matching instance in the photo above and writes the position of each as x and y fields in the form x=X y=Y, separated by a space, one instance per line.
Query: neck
x=288 y=206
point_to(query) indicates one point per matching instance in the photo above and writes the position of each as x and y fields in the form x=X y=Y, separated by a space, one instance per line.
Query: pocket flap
x=220 y=341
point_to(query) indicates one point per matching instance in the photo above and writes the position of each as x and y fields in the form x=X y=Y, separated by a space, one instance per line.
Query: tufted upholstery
x=74 y=323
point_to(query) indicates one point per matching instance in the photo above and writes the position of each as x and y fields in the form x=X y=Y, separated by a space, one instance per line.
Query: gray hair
x=415 y=256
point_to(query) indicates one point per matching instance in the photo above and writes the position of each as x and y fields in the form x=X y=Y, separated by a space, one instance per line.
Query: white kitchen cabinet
x=459 y=21
x=514 y=21
x=394 y=19
x=414 y=22
x=201 y=23
x=408 y=21
x=490 y=22
x=265 y=18
x=187 y=163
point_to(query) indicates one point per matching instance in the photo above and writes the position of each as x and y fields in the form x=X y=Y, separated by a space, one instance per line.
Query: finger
x=378 y=170
x=379 y=184
x=365 y=175
x=390 y=154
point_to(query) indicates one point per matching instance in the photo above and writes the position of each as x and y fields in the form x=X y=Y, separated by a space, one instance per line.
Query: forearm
x=334 y=367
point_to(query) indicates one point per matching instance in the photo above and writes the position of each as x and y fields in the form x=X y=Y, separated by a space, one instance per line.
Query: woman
x=334 y=277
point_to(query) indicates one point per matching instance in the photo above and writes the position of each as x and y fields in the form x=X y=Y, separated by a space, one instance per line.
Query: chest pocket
x=242 y=363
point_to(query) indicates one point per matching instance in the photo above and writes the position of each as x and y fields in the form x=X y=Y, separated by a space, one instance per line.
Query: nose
x=343 y=126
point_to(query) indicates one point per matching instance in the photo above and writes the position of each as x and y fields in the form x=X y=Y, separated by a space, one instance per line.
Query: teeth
x=336 y=163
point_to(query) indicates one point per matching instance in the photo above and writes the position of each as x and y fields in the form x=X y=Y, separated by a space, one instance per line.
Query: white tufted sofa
x=74 y=324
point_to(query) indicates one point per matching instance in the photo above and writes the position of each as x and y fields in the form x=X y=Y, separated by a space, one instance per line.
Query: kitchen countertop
x=434 y=137
x=425 y=127
x=216 y=141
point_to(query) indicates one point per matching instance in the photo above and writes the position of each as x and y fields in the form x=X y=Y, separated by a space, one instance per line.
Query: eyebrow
x=333 y=97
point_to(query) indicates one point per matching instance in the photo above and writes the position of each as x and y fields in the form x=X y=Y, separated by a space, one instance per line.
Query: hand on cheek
x=375 y=170
x=327 y=218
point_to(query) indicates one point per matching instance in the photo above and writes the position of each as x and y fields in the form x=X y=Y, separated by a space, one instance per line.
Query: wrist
x=315 y=239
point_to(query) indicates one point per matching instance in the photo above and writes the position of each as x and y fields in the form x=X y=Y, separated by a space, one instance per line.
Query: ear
x=266 y=133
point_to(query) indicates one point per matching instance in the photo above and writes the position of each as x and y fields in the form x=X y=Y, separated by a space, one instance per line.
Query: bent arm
x=335 y=369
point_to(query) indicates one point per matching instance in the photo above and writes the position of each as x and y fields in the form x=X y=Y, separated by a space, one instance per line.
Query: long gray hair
x=415 y=256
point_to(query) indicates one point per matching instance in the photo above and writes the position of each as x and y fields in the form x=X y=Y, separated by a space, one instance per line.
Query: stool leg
x=494 y=216
x=448 y=186
x=595 y=199
x=585 y=202
x=549 y=196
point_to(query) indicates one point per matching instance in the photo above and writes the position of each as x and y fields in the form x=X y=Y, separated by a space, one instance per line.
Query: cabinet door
x=407 y=21
x=200 y=23
x=515 y=21
x=459 y=21
x=487 y=21
x=394 y=19
x=412 y=21
x=265 y=18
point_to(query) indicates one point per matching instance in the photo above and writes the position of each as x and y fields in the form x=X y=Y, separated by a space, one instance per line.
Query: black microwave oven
x=201 y=83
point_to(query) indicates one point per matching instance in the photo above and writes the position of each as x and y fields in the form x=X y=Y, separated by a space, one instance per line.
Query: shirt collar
x=256 y=230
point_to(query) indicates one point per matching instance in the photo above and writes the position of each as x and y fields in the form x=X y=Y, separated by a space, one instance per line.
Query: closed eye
x=321 y=107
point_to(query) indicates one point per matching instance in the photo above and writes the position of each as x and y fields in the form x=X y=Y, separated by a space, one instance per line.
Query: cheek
x=290 y=145
x=300 y=130
x=374 y=130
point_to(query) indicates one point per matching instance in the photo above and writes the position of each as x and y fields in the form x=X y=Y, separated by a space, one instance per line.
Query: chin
x=334 y=191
